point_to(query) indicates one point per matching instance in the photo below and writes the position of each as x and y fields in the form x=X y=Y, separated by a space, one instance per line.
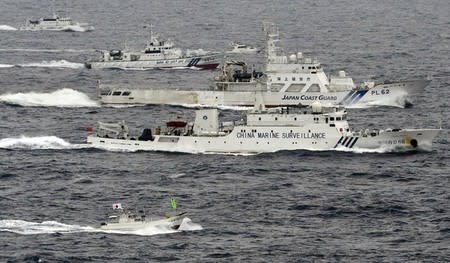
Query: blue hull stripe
x=339 y=141
x=345 y=140
x=193 y=62
x=349 y=141
x=353 y=97
x=359 y=95
x=353 y=143
x=347 y=96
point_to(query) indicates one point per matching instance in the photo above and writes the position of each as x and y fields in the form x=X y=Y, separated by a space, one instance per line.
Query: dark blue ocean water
x=296 y=206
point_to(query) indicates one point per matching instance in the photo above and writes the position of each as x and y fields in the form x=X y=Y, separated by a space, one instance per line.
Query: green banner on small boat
x=173 y=203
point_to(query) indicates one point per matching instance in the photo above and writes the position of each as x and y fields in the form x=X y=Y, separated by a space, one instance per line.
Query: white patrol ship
x=158 y=53
x=287 y=80
x=239 y=48
x=55 y=23
x=125 y=220
x=276 y=129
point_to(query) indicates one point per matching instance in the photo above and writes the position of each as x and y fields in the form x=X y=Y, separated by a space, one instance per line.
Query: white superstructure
x=288 y=80
x=158 y=53
x=126 y=220
x=286 y=128
x=239 y=48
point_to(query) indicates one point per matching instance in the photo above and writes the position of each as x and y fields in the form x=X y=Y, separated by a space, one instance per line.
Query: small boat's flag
x=173 y=203
x=117 y=206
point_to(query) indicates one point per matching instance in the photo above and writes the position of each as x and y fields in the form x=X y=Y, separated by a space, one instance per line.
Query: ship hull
x=393 y=94
x=272 y=139
x=172 y=222
x=198 y=62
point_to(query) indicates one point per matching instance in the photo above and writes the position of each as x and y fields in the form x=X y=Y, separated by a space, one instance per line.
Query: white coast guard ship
x=158 y=53
x=239 y=48
x=276 y=129
x=55 y=23
x=287 y=80
x=126 y=220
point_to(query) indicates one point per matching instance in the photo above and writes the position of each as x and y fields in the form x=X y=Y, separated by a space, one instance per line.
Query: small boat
x=126 y=220
x=158 y=53
x=262 y=130
x=238 y=48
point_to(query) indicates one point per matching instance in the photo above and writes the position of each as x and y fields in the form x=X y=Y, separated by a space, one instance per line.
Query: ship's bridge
x=294 y=116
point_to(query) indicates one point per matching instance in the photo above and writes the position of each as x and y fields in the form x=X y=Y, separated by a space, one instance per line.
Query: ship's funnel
x=316 y=107
x=259 y=103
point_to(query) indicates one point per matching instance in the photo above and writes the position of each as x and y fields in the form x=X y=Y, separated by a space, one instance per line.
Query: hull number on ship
x=379 y=92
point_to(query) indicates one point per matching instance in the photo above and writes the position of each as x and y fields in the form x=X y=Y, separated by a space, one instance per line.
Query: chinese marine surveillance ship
x=263 y=130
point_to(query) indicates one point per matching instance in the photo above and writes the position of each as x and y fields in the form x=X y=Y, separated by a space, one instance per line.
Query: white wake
x=53 y=64
x=51 y=227
x=6 y=66
x=39 y=143
x=78 y=28
x=68 y=50
x=59 y=98
x=7 y=28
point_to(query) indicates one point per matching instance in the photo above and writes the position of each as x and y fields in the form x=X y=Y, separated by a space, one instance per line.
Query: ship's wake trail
x=68 y=50
x=54 y=64
x=78 y=28
x=7 y=28
x=60 y=98
x=58 y=64
x=39 y=143
x=52 y=227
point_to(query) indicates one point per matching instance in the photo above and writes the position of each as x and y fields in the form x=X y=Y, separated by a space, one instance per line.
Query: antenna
x=53 y=9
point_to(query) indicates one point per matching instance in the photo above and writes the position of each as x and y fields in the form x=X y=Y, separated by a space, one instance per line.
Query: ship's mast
x=53 y=9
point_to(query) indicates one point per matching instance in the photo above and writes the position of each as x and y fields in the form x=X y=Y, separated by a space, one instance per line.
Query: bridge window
x=126 y=93
x=116 y=93
x=314 y=88
x=331 y=118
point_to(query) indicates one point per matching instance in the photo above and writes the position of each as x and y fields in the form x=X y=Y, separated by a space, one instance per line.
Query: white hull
x=262 y=139
x=186 y=62
x=384 y=94
x=172 y=222
x=73 y=27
